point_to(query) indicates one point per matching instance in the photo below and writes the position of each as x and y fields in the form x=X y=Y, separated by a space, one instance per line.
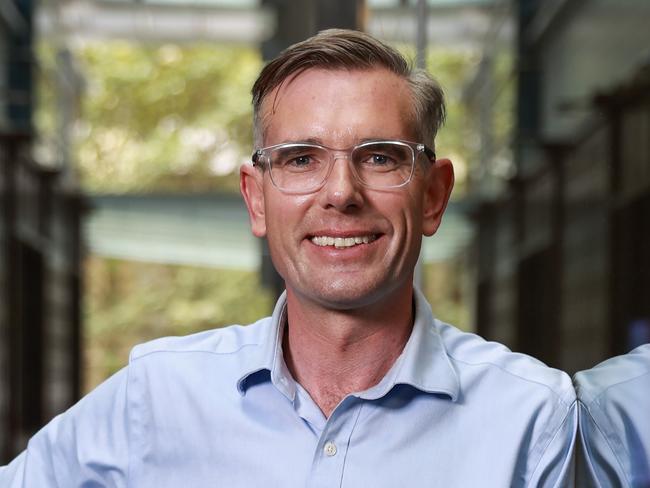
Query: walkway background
x=123 y=124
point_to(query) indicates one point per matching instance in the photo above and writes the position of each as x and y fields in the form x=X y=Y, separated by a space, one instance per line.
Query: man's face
x=339 y=109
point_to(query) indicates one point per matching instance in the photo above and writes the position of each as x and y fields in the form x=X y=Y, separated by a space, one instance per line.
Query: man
x=614 y=409
x=351 y=382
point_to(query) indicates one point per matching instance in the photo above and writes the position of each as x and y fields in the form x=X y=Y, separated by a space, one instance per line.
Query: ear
x=438 y=184
x=250 y=185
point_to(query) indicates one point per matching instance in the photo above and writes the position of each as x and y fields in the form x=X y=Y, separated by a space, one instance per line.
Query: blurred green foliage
x=452 y=69
x=447 y=287
x=158 y=118
x=128 y=303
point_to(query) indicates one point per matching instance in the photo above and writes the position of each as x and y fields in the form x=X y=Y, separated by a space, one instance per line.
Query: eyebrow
x=318 y=141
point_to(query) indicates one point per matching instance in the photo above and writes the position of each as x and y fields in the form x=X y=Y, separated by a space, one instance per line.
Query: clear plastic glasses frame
x=298 y=167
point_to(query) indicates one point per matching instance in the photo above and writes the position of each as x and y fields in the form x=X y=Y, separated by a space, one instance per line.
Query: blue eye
x=376 y=159
x=301 y=161
x=380 y=159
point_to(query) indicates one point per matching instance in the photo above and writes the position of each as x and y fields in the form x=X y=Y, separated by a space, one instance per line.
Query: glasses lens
x=383 y=164
x=298 y=167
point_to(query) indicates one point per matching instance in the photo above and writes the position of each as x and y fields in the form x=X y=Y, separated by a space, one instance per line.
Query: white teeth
x=341 y=242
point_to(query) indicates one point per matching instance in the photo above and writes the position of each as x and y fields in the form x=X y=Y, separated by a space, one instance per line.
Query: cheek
x=412 y=213
x=284 y=214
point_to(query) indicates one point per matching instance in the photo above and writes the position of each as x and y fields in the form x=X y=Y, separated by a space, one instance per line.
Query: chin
x=343 y=295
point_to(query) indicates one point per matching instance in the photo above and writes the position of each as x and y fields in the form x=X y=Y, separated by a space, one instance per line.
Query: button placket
x=329 y=459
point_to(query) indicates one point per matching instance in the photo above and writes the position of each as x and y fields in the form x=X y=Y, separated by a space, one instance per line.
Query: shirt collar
x=269 y=358
x=423 y=364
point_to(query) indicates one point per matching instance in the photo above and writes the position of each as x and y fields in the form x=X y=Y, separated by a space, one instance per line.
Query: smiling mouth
x=343 y=242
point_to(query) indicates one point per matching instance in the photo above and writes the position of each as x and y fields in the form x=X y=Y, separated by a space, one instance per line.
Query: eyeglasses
x=304 y=167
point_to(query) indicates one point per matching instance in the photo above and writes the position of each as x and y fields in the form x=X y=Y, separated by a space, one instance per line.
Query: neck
x=333 y=353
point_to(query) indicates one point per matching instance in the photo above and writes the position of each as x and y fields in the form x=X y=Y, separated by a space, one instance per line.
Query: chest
x=261 y=439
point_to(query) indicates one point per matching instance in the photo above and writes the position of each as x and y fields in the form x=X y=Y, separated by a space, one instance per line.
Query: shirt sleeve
x=597 y=464
x=614 y=399
x=556 y=468
x=86 y=446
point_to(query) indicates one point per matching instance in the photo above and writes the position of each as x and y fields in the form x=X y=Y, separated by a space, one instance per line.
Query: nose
x=342 y=189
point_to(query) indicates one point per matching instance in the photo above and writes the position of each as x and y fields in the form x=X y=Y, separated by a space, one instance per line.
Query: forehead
x=339 y=107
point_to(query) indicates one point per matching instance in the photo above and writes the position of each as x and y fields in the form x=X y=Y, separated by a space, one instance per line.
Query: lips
x=343 y=242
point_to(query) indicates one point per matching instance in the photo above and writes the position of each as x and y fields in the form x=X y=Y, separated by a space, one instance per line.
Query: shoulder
x=614 y=397
x=615 y=376
x=222 y=341
x=614 y=421
x=505 y=370
x=531 y=407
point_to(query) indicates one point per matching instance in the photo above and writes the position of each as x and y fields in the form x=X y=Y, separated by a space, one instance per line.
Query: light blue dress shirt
x=614 y=411
x=221 y=409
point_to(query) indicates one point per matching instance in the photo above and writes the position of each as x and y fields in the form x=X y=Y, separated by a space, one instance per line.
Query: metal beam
x=88 y=19
x=452 y=25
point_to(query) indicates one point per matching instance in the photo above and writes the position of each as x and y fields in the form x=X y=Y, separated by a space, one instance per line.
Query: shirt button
x=329 y=449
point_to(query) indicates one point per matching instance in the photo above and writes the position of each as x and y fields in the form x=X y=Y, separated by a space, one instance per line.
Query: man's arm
x=598 y=465
x=614 y=399
x=86 y=446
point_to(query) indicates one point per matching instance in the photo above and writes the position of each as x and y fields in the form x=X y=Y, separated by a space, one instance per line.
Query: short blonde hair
x=341 y=49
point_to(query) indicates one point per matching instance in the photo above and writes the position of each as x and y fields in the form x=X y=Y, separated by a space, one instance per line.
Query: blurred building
x=564 y=250
x=39 y=255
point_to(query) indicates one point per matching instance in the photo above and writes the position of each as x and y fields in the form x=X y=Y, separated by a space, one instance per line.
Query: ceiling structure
x=457 y=24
